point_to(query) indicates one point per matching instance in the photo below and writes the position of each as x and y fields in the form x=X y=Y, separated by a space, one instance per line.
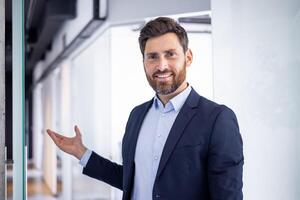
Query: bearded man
x=179 y=145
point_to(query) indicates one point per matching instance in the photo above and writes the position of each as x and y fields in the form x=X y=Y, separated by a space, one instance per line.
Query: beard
x=166 y=87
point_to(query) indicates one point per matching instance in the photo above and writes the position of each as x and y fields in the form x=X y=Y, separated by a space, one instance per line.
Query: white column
x=65 y=115
x=49 y=148
x=19 y=180
x=2 y=100
x=256 y=51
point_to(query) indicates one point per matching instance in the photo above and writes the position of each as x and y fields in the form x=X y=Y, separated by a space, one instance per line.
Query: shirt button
x=155 y=158
x=163 y=114
x=159 y=135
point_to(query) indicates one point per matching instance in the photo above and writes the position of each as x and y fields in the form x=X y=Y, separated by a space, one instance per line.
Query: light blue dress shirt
x=151 y=140
x=85 y=158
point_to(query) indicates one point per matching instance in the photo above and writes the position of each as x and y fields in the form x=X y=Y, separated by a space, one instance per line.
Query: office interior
x=82 y=66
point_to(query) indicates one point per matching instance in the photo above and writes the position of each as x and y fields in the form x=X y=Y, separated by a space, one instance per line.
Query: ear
x=188 y=57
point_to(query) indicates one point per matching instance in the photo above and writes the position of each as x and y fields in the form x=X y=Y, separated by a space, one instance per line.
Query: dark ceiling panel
x=36 y=9
x=44 y=21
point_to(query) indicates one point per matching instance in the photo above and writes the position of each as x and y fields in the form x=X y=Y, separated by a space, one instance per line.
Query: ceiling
x=43 y=19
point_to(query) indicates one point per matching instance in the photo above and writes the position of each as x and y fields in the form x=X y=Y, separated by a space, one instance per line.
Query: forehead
x=162 y=43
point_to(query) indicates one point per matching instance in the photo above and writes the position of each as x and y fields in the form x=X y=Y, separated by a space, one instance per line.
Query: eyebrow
x=170 y=50
x=153 y=53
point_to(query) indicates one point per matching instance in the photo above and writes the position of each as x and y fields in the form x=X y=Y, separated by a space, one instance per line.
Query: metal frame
x=2 y=101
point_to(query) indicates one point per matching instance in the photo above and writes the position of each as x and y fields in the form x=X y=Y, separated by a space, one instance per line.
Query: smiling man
x=179 y=145
x=165 y=62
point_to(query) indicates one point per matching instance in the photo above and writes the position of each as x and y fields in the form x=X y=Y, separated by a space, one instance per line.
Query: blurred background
x=83 y=67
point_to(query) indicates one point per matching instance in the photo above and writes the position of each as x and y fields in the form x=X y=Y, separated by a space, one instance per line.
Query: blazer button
x=157 y=196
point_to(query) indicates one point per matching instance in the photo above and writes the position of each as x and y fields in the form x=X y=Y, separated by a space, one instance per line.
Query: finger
x=50 y=133
x=55 y=139
x=77 y=131
x=55 y=135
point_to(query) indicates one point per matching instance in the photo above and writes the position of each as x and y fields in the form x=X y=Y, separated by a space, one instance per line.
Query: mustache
x=157 y=72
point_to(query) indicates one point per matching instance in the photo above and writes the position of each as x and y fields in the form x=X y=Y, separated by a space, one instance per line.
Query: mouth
x=163 y=76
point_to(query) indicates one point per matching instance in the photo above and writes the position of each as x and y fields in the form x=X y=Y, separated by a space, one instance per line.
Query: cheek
x=149 y=69
x=176 y=67
x=180 y=65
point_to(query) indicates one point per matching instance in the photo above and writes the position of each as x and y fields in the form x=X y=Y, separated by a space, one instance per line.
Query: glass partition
x=19 y=169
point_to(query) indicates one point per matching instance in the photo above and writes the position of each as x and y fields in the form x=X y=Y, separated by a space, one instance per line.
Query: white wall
x=200 y=73
x=256 y=51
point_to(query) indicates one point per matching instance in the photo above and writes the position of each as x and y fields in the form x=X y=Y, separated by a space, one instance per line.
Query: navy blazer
x=202 y=158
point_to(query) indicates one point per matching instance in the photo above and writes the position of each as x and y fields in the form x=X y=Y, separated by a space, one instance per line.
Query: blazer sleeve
x=225 y=158
x=104 y=170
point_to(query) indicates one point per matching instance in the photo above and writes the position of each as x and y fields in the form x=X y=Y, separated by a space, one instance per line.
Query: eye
x=151 y=56
x=170 y=54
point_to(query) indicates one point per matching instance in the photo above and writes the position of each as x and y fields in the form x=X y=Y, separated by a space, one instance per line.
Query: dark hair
x=160 y=26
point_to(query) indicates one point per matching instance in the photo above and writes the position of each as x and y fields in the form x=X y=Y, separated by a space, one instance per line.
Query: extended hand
x=70 y=145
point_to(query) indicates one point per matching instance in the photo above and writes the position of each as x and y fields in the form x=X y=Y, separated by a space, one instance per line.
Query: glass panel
x=19 y=186
x=88 y=112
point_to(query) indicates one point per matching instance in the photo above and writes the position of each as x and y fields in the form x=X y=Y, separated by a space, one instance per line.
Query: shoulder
x=210 y=108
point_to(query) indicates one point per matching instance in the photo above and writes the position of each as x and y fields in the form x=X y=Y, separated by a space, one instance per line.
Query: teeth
x=163 y=75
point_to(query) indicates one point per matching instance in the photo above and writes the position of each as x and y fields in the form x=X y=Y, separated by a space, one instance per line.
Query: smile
x=163 y=76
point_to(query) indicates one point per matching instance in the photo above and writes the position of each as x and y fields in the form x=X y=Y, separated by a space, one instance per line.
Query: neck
x=166 y=98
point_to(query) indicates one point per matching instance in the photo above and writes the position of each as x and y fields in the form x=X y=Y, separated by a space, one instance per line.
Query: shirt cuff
x=85 y=158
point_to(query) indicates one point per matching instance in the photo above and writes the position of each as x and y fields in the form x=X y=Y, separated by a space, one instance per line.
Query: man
x=178 y=145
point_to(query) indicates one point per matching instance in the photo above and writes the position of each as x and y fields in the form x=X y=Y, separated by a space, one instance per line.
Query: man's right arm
x=104 y=170
x=95 y=166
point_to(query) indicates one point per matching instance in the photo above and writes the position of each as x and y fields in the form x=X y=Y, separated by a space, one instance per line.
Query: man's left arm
x=225 y=158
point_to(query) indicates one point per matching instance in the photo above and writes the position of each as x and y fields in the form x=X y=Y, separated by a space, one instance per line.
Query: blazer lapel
x=184 y=116
x=138 y=120
x=134 y=132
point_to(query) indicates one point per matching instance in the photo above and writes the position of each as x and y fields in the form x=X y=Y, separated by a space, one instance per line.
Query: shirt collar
x=175 y=103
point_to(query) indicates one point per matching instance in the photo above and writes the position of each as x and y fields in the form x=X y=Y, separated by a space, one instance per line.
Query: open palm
x=70 y=145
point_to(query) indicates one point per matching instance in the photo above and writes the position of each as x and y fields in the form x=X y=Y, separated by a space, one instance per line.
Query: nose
x=162 y=64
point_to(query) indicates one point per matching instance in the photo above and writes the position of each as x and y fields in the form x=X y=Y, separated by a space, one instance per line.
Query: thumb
x=77 y=131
